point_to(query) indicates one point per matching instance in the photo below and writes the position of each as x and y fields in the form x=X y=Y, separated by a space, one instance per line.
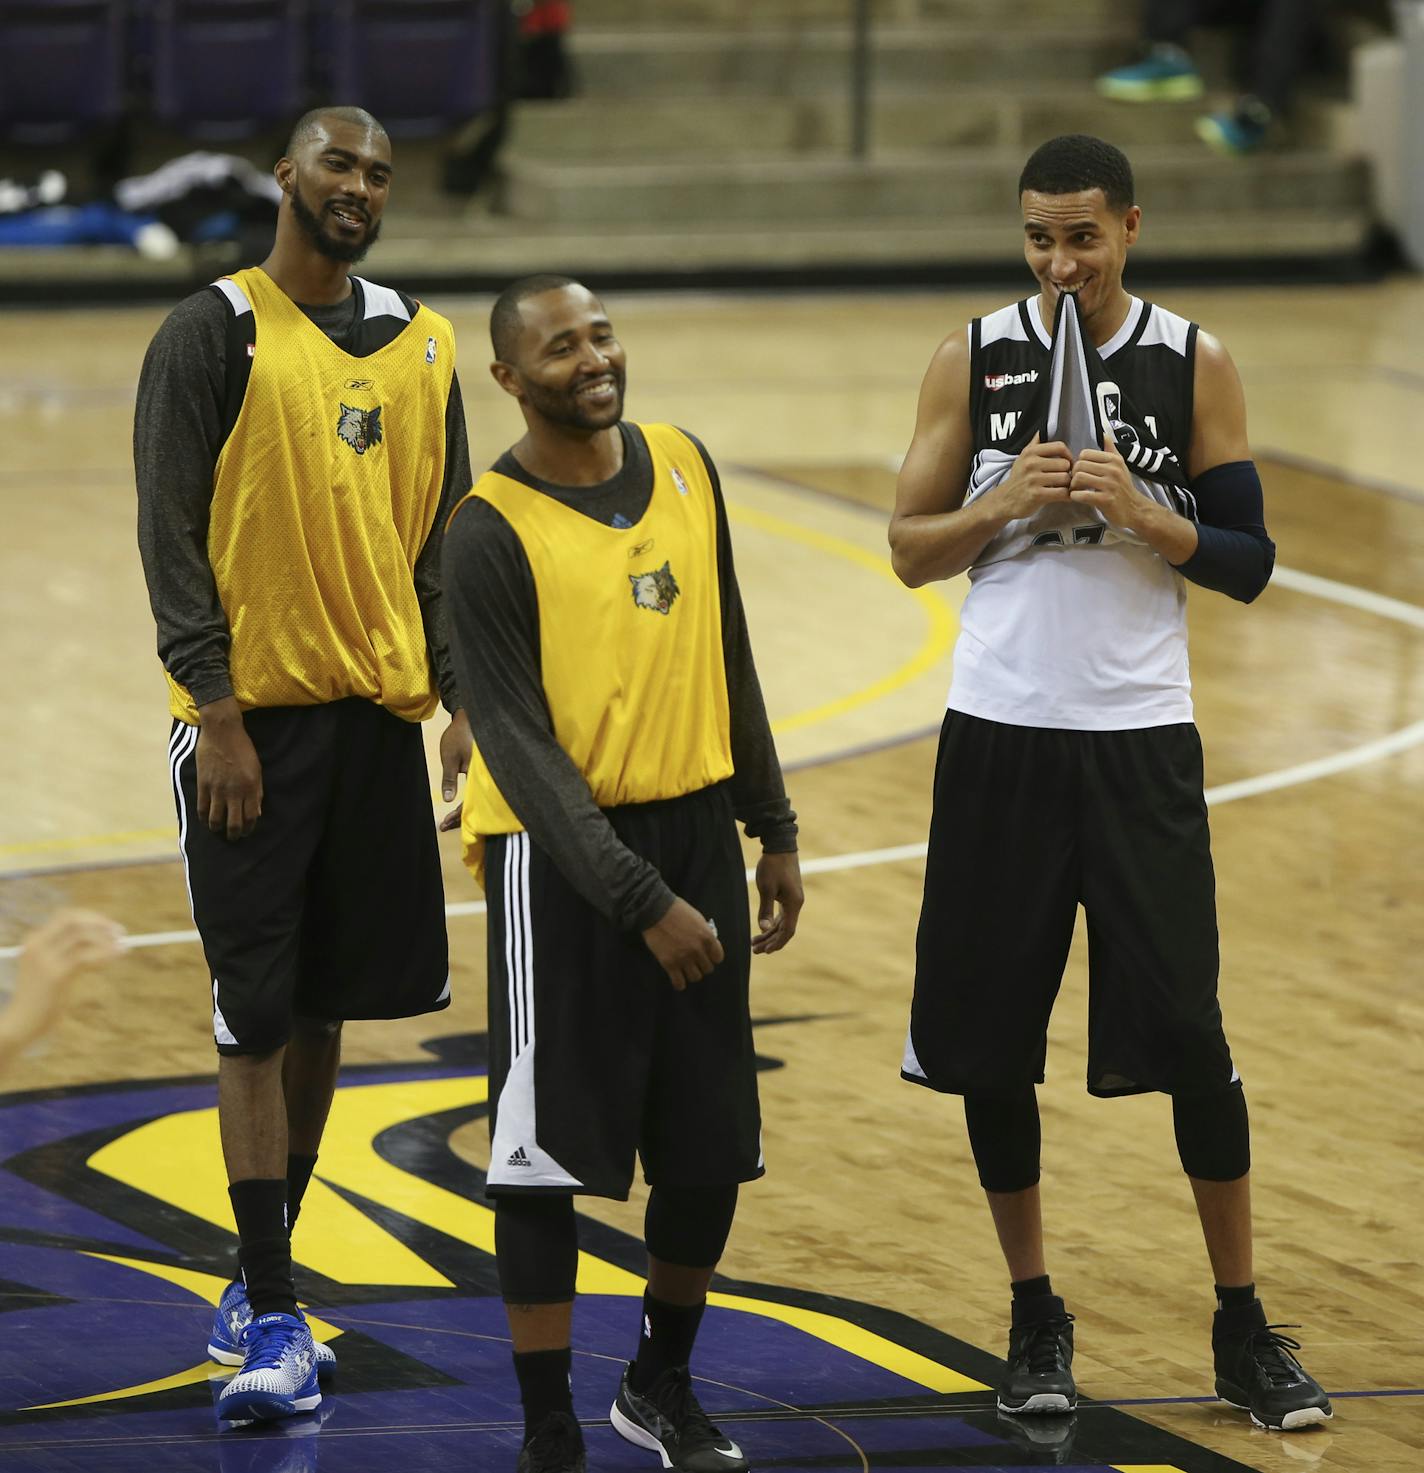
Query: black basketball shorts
x=333 y=907
x=1029 y=823
x=594 y=1058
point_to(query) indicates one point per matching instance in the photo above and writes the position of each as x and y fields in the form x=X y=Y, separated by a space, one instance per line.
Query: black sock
x=260 y=1207
x=299 y=1174
x=1034 y=1300
x=666 y=1341
x=543 y=1385
x=1234 y=1298
x=1032 y=1288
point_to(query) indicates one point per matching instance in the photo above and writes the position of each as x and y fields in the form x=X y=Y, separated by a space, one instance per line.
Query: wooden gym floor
x=1311 y=704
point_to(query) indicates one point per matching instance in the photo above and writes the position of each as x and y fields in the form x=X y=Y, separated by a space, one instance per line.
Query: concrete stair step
x=971 y=116
x=777 y=191
x=499 y=248
x=782 y=61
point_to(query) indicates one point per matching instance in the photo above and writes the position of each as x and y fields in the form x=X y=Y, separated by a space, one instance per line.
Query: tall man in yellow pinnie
x=299 y=441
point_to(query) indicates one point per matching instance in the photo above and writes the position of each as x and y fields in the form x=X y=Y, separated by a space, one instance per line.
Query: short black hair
x=1076 y=162
x=305 y=128
x=505 y=321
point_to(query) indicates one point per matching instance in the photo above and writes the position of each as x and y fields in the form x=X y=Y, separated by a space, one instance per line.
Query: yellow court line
x=938 y=640
x=82 y=841
x=1146 y=1468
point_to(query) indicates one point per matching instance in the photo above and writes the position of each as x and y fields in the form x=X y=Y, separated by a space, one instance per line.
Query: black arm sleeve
x=178 y=433
x=492 y=609
x=1234 y=555
x=427 y=566
x=758 y=791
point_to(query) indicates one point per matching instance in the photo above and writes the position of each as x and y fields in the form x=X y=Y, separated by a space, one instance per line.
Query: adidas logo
x=518 y=1158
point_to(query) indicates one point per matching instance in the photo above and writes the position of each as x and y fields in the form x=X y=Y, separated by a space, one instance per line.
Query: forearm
x=938 y=545
x=1168 y=533
x=550 y=797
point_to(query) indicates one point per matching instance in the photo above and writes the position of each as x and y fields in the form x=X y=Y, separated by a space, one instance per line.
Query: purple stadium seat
x=61 y=68
x=227 y=68
x=420 y=66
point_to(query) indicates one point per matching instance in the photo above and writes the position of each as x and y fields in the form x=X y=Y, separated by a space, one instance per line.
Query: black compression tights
x=536 y=1238
x=1005 y=1136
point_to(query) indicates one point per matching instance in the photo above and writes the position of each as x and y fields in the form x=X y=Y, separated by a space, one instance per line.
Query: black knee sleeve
x=1213 y=1133
x=536 y=1247
x=688 y=1226
x=1005 y=1136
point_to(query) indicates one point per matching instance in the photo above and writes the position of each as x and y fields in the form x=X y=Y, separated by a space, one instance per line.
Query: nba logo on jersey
x=679 y=482
x=430 y=350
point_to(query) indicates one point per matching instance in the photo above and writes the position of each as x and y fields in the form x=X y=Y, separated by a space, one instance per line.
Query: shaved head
x=506 y=323
x=309 y=126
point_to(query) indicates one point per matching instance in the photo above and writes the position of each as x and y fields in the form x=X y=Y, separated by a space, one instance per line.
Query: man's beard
x=564 y=407
x=315 y=232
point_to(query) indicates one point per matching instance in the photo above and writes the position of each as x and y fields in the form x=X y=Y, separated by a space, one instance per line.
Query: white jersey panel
x=1092 y=641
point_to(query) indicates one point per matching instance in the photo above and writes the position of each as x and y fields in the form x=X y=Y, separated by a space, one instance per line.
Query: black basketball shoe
x=667 y=1419
x=557 y=1447
x=1039 y=1377
x=1256 y=1372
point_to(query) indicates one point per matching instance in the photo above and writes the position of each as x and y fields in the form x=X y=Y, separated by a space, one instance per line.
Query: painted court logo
x=657 y=590
x=359 y=428
x=116 y=1204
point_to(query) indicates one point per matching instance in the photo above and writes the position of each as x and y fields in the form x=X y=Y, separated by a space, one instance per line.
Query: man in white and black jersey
x=1081 y=454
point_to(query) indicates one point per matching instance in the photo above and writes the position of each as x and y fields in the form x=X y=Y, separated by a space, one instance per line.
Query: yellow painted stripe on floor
x=1146 y=1468
x=207 y=1287
x=359 y=1114
x=863 y=1343
x=190 y=1377
x=937 y=643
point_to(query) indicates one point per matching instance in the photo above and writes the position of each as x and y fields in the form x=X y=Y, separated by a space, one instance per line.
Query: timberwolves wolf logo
x=655 y=591
x=359 y=428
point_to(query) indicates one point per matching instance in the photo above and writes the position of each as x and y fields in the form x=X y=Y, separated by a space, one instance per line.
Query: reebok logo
x=997 y=381
x=518 y=1158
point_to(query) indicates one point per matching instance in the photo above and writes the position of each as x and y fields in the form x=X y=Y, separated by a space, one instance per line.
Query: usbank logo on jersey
x=656 y=591
x=996 y=381
x=359 y=428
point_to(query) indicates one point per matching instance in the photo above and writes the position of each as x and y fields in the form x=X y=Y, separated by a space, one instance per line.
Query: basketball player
x=55 y=956
x=1082 y=453
x=299 y=442
x=602 y=650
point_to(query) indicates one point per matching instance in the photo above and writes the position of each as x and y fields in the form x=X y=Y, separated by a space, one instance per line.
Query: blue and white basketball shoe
x=278 y=1375
x=232 y=1317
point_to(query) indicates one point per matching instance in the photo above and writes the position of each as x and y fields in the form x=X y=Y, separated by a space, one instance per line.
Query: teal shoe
x=1236 y=133
x=1166 y=74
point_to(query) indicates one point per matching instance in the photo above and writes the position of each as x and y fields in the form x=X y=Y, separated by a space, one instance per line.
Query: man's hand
x=1040 y=475
x=456 y=746
x=1102 y=480
x=229 y=772
x=685 y=945
x=778 y=880
x=71 y=942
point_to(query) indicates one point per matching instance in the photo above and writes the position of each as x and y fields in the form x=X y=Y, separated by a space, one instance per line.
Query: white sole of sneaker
x=630 y=1431
x=268 y=1408
x=1291 y=1422
x=1048 y=1402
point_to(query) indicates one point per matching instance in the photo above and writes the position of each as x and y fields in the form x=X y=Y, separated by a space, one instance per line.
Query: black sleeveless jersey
x=1142 y=382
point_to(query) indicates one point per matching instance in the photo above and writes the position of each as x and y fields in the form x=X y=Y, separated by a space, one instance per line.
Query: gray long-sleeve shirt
x=189 y=394
x=493 y=612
